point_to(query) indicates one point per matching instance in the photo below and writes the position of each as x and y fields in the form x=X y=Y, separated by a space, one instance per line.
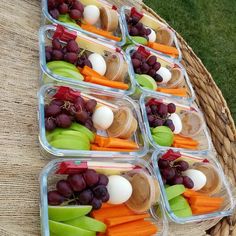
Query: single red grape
x=100 y=191
x=171 y=108
x=162 y=109
x=177 y=180
x=158 y=78
x=52 y=110
x=54 y=13
x=168 y=173
x=181 y=165
x=91 y=177
x=133 y=31
x=148 y=31
x=50 y=124
x=162 y=163
x=85 y=197
x=81 y=116
x=106 y=198
x=156 y=66
x=72 y=46
x=151 y=60
x=103 y=180
x=88 y=63
x=70 y=57
x=152 y=73
x=55 y=198
x=91 y=105
x=64 y=188
x=75 y=14
x=187 y=182
x=96 y=203
x=136 y=63
x=79 y=104
x=57 y=55
x=48 y=56
x=77 y=182
x=51 y=4
x=63 y=121
x=145 y=67
x=78 y=6
x=169 y=123
x=63 y=8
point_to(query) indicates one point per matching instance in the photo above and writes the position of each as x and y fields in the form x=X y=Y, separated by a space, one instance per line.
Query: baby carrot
x=205 y=201
x=87 y=71
x=95 y=147
x=164 y=48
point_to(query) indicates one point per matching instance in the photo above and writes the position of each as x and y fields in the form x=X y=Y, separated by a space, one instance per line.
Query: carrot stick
x=108 y=83
x=205 y=201
x=139 y=227
x=179 y=137
x=186 y=142
x=87 y=71
x=120 y=143
x=101 y=32
x=100 y=140
x=124 y=219
x=184 y=146
x=95 y=147
x=196 y=210
x=164 y=48
x=107 y=205
x=178 y=91
x=190 y=193
x=107 y=212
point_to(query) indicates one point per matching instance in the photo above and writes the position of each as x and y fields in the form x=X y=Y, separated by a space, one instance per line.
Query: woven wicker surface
x=21 y=161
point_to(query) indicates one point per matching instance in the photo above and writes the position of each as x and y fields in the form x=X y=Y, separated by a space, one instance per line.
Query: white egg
x=98 y=63
x=102 y=118
x=198 y=178
x=91 y=14
x=119 y=189
x=177 y=123
x=165 y=74
x=152 y=37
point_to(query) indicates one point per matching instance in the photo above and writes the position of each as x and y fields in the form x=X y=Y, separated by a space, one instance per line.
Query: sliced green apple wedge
x=64 y=213
x=69 y=73
x=52 y=65
x=85 y=222
x=174 y=191
x=146 y=81
x=61 y=229
x=178 y=203
x=186 y=212
x=84 y=130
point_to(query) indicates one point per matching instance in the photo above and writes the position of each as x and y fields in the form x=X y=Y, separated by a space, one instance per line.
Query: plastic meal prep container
x=48 y=19
x=90 y=45
x=169 y=63
x=47 y=92
x=152 y=23
x=223 y=191
x=48 y=178
x=202 y=136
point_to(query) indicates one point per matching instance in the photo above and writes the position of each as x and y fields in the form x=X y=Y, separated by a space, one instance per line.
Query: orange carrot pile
x=202 y=203
x=115 y=143
x=87 y=71
x=101 y=32
x=108 y=83
x=172 y=51
x=183 y=142
x=182 y=92
x=121 y=221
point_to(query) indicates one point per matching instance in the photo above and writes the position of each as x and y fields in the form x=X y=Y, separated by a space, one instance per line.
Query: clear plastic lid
x=46 y=94
x=55 y=171
x=120 y=31
x=160 y=28
x=203 y=139
x=223 y=190
x=88 y=45
x=179 y=76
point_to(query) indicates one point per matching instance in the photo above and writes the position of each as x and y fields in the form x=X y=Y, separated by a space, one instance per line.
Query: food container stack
x=117 y=108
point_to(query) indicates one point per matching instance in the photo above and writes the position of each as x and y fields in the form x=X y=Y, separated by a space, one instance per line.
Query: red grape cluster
x=146 y=65
x=74 y=8
x=68 y=53
x=62 y=113
x=171 y=172
x=158 y=113
x=136 y=28
x=88 y=188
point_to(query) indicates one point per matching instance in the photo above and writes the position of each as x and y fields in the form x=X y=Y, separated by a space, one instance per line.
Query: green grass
x=209 y=27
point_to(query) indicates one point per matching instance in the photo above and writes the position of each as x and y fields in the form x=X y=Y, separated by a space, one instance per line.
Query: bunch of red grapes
x=146 y=65
x=61 y=113
x=136 y=28
x=158 y=113
x=87 y=188
x=68 y=53
x=171 y=172
x=74 y=8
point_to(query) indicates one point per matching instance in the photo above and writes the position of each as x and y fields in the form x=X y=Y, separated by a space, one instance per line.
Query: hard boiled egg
x=177 y=123
x=102 y=117
x=165 y=74
x=98 y=63
x=198 y=178
x=152 y=37
x=91 y=14
x=119 y=189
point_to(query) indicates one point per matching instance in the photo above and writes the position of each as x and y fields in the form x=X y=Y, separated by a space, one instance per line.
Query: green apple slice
x=85 y=222
x=64 y=213
x=84 y=130
x=68 y=142
x=186 y=212
x=65 y=18
x=61 y=229
x=178 y=203
x=140 y=40
x=146 y=81
x=52 y=65
x=69 y=73
x=174 y=191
